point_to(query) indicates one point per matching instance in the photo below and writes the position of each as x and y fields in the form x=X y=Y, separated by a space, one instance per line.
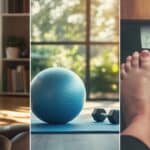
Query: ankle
x=136 y=129
x=142 y=118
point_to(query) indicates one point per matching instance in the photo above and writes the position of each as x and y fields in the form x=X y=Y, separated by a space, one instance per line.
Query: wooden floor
x=75 y=142
x=14 y=111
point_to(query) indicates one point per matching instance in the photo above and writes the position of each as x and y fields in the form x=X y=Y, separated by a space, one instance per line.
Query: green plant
x=13 y=41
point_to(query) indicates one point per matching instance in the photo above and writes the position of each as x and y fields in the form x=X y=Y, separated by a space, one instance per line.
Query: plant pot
x=12 y=52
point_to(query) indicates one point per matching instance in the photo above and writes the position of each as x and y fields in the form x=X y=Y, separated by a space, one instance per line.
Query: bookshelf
x=14 y=48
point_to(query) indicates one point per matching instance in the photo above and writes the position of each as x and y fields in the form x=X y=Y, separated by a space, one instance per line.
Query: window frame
x=87 y=43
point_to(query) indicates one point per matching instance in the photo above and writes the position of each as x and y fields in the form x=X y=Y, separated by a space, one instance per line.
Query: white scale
x=145 y=37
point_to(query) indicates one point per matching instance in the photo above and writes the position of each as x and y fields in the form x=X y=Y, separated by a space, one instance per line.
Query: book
x=19 y=79
x=12 y=6
x=9 y=80
x=15 y=6
x=27 y=80
x=26 y=6
x=19 y=6
x=4 y=6
x=13 y=77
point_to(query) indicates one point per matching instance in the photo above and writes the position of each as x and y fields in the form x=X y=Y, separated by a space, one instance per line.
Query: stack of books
x=18 y=79
x=15 y=6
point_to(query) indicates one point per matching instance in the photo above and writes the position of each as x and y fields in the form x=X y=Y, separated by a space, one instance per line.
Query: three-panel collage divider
x=74 y=75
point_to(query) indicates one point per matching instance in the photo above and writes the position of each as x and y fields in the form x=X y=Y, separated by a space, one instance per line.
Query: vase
x=12 y=52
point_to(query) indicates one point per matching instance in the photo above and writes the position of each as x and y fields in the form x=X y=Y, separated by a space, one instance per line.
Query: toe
x=135 y=60
x=128 y=64
x=145 y=59
x=123 y=72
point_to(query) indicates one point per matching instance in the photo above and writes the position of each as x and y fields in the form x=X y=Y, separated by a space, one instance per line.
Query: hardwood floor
x=14 y=111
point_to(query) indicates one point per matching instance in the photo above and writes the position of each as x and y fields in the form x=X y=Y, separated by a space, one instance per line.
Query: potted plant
x=13 y=47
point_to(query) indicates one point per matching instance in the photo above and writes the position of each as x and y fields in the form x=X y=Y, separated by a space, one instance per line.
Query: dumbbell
x=99 y=115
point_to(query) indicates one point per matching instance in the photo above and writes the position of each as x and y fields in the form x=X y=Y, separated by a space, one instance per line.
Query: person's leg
x=5 y=143
x=135 y=95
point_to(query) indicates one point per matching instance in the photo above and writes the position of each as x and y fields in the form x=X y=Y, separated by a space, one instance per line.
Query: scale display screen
x=135 y=36
x=145 y=37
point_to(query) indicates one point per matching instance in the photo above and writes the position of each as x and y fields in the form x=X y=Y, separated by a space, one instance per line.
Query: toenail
x=122 y=66
x=136 y=54
x=145 y=50
x=145 y=54
x=129 y=58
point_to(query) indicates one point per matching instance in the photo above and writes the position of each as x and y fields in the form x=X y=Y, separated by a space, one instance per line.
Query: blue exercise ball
x=57 y=95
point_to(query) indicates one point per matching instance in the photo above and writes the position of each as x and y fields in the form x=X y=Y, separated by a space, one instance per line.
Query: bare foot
x=135 y=94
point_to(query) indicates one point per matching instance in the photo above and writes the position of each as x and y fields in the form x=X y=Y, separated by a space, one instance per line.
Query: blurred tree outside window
x=81 y=35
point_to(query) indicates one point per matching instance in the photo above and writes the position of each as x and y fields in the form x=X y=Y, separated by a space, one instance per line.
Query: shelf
x=14 y=72
x=14 y=94
x=16 y=60
x=15 y=14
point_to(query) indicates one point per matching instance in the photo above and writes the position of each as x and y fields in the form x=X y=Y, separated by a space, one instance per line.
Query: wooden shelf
x=14 y=94
x=15 y=14
x=15 y=21
x=16 y=60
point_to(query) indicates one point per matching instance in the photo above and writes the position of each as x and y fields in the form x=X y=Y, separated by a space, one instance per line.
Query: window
x=81 y=35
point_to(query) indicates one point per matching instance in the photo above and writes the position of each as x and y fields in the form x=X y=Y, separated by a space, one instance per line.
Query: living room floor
x=14 y=111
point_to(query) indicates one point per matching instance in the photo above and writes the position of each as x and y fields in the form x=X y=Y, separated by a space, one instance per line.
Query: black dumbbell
x=99 y=115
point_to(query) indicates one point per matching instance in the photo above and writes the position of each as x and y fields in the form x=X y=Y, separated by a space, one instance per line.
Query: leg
x=135 y=95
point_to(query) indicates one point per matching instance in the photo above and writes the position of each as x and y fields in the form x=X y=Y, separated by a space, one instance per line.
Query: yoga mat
x=82 y=124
